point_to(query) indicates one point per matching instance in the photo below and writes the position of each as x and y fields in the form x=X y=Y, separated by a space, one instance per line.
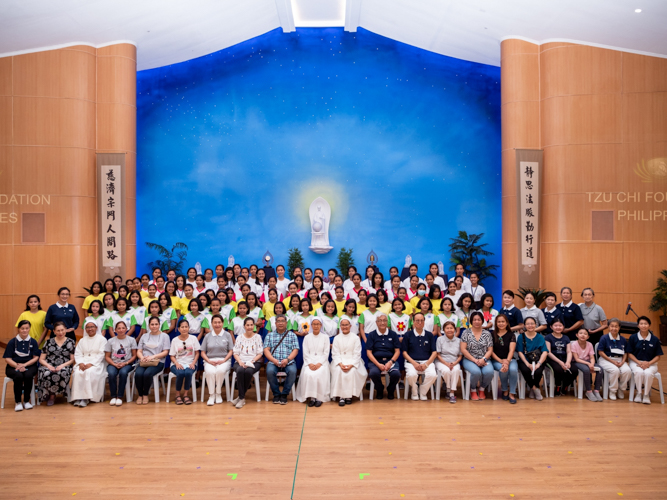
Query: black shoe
x=311 y=403
x=505 y=397
x=512 y=399
x=276 y=400
x=348 y=401
x=283 y=400
x=390 y=395
x=318 y=403
x=341 y=402
x=379 y=395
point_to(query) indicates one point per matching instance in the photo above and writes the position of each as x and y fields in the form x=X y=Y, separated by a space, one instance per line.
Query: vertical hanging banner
x=529 y=189
x=111 y=210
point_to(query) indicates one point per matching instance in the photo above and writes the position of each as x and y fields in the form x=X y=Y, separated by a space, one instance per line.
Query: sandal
x=179 y=400
x=187 y=401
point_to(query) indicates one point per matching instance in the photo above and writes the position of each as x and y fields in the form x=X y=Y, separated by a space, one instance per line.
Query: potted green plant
x=659 y=300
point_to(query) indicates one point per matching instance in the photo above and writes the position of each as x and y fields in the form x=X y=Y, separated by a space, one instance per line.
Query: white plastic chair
x=157 y=381
x=4 y=391
x=280 y=375
x=194 y=386
x=256 y=379
x=549 y=381
x=632 y=388
x=386 y=383
x=419 y=382
x=226 y=382
x=494 y=385
x=438 y=386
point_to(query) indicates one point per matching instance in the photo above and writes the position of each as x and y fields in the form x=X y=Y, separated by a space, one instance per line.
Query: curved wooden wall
x=57 y=108
x=601 y=113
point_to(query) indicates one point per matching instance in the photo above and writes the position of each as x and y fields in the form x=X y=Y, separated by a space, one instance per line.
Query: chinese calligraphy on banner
x=529 y=164
x=111 y=210
x=529 y=211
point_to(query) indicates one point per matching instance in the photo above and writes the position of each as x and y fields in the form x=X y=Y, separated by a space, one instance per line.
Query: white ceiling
x=171 y=31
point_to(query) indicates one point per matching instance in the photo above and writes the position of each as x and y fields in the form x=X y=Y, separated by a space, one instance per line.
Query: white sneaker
x=112 y=402
x=240 y=404
x=538 y=394
x=647 y=400
x=638 y=398
x=77 y=402
x=620 y=395
x=423 y=397
x=218 y=399
x=415 y=396
x=83 y=403
x=27 y=406
x=211 y=401
x=18 y=407
x=119 y=401
x=612 y=396
x=235 y=400
x=531 y=394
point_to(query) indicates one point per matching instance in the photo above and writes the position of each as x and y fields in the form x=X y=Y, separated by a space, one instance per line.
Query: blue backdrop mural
x=234 y=146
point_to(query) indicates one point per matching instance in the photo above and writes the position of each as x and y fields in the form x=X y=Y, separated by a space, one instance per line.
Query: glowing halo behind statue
x=320 y=216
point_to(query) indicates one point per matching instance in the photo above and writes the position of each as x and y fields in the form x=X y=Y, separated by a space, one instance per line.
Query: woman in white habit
x=348 y=373
x=315 y=381
x=89 y=375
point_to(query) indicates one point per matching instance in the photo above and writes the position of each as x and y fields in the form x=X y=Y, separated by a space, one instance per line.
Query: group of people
x=330 y=333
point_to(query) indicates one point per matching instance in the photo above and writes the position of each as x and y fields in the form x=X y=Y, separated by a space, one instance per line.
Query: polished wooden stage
x=556 y=448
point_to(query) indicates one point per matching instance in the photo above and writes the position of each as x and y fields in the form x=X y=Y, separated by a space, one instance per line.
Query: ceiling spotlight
x=638 y=11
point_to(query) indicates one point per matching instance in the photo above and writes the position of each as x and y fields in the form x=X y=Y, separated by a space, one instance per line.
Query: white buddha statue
x=320 y=216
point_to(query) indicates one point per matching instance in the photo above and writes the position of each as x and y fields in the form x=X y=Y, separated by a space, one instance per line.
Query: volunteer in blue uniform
x=21 y=355
x=644 y=352
x=551 y=312
x=383 y=348
x=572 y=317
x=512 y=312
x=63 y=312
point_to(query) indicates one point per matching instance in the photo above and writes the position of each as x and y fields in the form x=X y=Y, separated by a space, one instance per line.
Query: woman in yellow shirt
x=110 y=287
x=95 y=294
x=383 y=301
x=152 y=290
x=170 y=287
x=33 y=313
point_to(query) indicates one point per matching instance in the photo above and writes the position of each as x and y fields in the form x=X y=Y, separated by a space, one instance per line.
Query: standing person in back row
x=460 y=271
x=572 y=317
x=62 y=312
x=595 y=320
x=512 y=312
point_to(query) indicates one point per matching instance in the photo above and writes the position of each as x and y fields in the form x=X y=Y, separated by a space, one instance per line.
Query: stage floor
x=562 y=448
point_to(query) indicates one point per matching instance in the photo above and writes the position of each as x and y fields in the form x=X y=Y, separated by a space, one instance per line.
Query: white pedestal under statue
x=320 y=217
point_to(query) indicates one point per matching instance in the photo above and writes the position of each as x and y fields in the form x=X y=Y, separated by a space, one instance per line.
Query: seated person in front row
x=89 y=374
x=280 y=350
x=449 y=356
x=315 y=380
x=419 y=351
x=613 y=359
x=121 y=353
x=348 y=373
x=477 y=347
x=644 y=352
x=584 y=358
x=21 y=355
x=383 y=348
x=533 y=353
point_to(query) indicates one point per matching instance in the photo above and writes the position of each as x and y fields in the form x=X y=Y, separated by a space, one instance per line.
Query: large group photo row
x=321 y=338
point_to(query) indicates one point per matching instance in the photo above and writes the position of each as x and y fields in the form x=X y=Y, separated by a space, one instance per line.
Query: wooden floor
x=562 y=448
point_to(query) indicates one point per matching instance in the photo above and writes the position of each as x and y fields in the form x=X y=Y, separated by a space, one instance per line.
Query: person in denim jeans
x=120 y=355
x=476 y=347
x=504 y=345
x=153 y=346
x=280 y=353
x=184 y=354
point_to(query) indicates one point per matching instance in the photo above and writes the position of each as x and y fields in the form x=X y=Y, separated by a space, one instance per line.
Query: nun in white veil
x=89 y=374
x=315 y=382
x=348 y=373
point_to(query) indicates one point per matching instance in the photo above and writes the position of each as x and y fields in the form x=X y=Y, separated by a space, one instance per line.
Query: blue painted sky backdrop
x=402 y=142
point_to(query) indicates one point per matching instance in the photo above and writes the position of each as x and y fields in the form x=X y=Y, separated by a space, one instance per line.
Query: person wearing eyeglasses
x=184 y=354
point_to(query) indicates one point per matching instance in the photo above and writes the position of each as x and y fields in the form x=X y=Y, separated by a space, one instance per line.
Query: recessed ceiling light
x=638 y=11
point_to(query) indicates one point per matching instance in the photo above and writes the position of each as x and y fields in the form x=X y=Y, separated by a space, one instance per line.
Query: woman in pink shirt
x=584 y=358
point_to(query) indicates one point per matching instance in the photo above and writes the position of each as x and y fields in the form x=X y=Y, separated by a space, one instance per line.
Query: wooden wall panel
x=117 y=82
x=642 y=264
x=521 y=77
x=5 y=170
x=6 y=76
x=596 y=167
x=7 y=318
x=118 y=50
x=644 y=74
x=6 y=120
x=55 y=170
x=579 y=69
x=116 y=127
x=585 y=119
x=645 y=117
x=6 y=270
x=43 y=121
x=55 y=73
x=525 y=134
